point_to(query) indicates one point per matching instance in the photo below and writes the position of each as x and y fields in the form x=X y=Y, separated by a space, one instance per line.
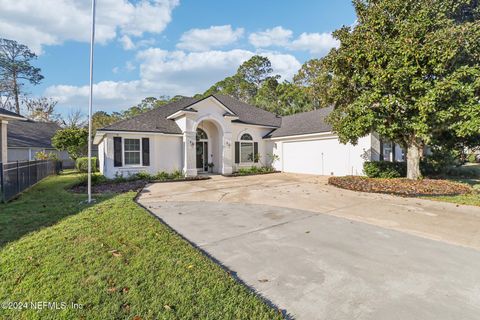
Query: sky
x=164 y=47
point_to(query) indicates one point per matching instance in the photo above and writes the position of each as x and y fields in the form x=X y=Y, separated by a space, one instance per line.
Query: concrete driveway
x=324 y=253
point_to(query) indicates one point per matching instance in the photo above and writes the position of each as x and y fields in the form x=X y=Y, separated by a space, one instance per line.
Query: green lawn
x=472 y=199
x=112 y=258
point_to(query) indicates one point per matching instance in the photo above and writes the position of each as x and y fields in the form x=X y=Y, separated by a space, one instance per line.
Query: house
x=5 y=117
x=27 y=138
x=193 y=134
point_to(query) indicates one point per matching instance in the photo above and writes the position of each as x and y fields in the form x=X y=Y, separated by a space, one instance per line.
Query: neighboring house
x=5 y=117
x=190 y=133
x=27 y=138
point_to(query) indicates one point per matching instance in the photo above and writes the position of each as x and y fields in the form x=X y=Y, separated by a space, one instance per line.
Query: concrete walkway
x=318 y=265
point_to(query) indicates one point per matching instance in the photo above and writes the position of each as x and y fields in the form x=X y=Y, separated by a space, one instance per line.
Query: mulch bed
x=237 y=174
x=112 y=187
x=121 y=187
x=401 y=186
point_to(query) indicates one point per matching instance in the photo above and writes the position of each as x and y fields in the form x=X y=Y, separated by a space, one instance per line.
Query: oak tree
x=408 y=70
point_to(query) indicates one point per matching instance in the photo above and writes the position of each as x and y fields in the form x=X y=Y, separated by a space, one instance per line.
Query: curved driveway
x=324 y=253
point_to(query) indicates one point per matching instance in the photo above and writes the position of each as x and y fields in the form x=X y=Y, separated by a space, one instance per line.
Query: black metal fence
x=17 y=176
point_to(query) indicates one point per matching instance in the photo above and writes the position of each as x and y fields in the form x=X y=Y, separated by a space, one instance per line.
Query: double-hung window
x=132 y=152
x=246 y=148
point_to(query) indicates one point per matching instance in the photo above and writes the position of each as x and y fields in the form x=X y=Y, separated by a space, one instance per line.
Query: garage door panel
x=323 y=157
x=297 y=157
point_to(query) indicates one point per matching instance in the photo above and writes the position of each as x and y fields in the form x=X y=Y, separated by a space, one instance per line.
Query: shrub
x=462 y=172
x=81 y=164
x=472 y=158
x=96 y=179
x=385 y=169
x=176 y=175
x=162 y=175
x=440 y=161
x=119 y=178
x=41 y=155
x=144 y=176
x=254 y=170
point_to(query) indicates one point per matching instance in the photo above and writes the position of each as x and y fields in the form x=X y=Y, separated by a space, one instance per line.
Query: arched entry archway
x=209 y=147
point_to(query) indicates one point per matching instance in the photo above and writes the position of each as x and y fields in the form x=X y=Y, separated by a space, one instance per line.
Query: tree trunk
x=414 y=154
x=16 y=93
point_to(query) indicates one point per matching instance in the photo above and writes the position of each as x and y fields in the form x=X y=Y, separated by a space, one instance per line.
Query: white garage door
x=323 y=157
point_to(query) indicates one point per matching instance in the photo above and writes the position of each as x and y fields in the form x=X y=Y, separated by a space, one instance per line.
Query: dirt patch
x=401 y=186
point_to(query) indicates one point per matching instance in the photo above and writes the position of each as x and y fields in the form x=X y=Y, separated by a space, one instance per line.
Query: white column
x=3 y=141
x=227 y=148
x=190 y=161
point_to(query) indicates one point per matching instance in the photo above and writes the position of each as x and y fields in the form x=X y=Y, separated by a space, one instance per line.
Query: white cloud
x=168 y=73
x=129 y=66
x=107 y=95
x=285 y=65
x=127 y=42
x=51 y=22
x=213 y=37
x=277 y=36
x=315 y=43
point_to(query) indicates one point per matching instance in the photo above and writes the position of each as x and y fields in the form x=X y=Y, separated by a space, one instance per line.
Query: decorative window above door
x=201 y=135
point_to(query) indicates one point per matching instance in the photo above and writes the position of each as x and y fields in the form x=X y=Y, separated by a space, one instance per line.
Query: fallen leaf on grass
x=115 y=253
x=111 y=290
x=190 y=266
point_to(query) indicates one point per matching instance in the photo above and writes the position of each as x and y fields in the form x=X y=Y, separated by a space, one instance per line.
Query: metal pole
x=2 y=185
x=90 y=102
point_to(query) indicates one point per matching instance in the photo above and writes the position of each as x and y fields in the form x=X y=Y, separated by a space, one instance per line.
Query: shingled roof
x=31 y=134
x=249 y=114
x=156 y=119
x=303 y=123
x=9 y=114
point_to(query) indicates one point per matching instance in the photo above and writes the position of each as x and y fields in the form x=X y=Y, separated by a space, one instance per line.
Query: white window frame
x=123 y=154
x=388 y=145
x=240 y=149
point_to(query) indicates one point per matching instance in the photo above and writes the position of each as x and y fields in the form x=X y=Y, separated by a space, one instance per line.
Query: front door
x=202 y=159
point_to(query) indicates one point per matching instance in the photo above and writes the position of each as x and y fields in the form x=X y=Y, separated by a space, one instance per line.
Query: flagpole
x=90 y=103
